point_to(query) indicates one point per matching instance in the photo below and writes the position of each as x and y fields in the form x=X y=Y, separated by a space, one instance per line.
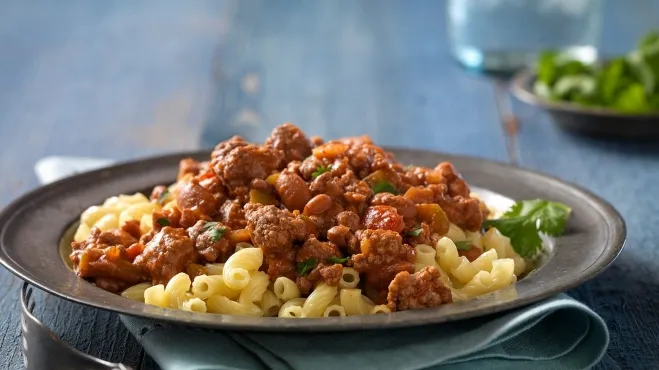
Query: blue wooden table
x=125 y=79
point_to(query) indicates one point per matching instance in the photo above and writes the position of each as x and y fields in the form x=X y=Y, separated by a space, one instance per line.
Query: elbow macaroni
x=258 y=284
x=493 y=239
x=116 y=211
x=286 y=289
x=318 y=300
x=487 y=273
x=349 y=278
x=270 y=304
x=238 y=267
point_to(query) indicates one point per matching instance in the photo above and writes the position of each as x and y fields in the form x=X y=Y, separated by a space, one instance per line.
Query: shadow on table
x=634 y=148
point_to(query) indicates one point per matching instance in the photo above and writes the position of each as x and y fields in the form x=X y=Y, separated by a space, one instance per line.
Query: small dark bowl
x=589 y=121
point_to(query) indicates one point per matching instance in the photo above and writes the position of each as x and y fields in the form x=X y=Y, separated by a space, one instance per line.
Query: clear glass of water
x=504 y=35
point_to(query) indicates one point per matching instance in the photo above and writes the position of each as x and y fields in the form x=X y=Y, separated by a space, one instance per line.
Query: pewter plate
x=33 y=226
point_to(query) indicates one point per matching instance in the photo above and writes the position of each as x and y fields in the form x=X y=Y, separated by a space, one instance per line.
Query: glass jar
x=504 y=35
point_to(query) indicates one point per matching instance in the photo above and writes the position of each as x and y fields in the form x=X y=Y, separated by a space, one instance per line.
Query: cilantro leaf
x=384 y=187
x=416 y=231
x=163 y=221
x=163 y=196
x=304 y=267
x=321 y=170
x=526 y=218
x=463 y=245
x=340 y=260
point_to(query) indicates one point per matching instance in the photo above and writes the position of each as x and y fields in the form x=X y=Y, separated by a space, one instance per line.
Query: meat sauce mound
x=312 y=207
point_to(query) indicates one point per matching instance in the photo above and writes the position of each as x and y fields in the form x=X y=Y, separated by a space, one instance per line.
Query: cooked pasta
x=286 y=289
x=381 y=308
x=292 y=308
x=353 y=302
x=252 y=293
x=486 y=282
x=136 y=292
x=349 y=278
x=223 y=305
x=270 y=304
x=318 y=300
x=194 y=305
x=155 y=296
x=466 y=270
x=204 y=286
x=176 y=288
x=291 y=312
x=238 y=267
x=425 y=255
x=493 y=239
x=114 y=212
x=214 y=268
x=334 y=310
x=455 y=233
x=243 y=245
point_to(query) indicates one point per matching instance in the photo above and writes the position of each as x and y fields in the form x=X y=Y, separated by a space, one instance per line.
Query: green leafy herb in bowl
x=628 y=84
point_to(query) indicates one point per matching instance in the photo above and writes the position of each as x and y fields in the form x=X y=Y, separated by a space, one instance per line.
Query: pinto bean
x=317 y=205
x=292 y=190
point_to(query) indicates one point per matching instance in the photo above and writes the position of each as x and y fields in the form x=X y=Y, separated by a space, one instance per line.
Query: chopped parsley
x=209 y=225
x=416 y=231
x=163 y=196
x=304 y=267
x=321 y=170
x=339 y=260
x=216 y=233
x=463 y=245
x=163 y=221
x=526 y=219
x=384 y=187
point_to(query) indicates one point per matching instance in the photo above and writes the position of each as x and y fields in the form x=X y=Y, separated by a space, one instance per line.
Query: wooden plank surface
x=124 y=79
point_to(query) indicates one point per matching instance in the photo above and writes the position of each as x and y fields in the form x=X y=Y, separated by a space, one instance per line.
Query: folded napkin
x=558 y=333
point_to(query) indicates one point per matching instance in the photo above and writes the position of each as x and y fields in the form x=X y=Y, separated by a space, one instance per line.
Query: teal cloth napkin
x=558 y=333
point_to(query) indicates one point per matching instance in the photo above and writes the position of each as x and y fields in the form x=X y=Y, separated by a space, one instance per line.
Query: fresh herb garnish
x=409 y=167
x=216 y=233
x=340 y=260
x=163 y=221
x=384 y=187
x=526 y=219
x=628 y=83
x=416 y=231
x=463 y=245
x=304 y=267
x=321 y=170
x=163 y=196
x=209 y=225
